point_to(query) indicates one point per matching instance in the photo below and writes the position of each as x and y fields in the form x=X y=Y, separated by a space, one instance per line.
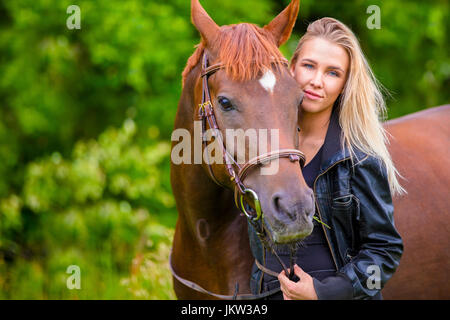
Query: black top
x=311 y=170
x=314 y=255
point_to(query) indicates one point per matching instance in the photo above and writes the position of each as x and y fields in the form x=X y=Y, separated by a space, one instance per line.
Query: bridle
x=205 y=113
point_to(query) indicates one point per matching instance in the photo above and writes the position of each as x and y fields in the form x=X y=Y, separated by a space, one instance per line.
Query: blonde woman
x=357 y=249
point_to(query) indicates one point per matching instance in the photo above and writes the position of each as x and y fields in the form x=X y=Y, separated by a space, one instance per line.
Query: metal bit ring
x=256 y=202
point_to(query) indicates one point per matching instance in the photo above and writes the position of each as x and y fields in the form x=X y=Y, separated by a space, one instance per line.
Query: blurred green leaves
x=114 y=166
x=104 y=199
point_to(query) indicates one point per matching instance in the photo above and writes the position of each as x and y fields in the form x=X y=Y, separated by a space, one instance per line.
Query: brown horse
x=250 y=87
x=211 y=245
x=419 y=145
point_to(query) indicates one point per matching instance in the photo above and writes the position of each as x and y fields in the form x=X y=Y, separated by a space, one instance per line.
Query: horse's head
x=254 y=93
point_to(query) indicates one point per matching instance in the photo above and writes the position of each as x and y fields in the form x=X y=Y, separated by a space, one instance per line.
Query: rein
x=206 y=114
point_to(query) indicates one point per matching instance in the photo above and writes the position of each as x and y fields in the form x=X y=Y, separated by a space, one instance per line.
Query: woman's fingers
x=299 y=272
x=285 y=285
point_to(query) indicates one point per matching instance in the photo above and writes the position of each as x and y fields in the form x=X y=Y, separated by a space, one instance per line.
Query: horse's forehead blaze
x=268 y=81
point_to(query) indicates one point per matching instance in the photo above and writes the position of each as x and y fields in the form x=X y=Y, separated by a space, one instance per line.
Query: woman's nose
x=316 y=81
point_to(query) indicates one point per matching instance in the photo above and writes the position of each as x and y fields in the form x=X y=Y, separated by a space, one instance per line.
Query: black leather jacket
x=355 y=201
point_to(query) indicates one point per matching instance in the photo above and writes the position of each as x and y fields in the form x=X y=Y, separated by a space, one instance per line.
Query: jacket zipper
x=318 y=209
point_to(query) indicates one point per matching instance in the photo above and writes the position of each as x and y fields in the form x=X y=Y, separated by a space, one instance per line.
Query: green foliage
x=86 y=118
x=93 y=210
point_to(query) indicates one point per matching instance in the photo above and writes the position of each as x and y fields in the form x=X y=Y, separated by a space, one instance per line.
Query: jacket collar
x=332 y=151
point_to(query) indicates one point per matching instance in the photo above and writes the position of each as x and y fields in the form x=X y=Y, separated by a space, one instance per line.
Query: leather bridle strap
x=266 y=270
x=211 y=69
x=293 y=155
x=235 y=296
x=206 y=114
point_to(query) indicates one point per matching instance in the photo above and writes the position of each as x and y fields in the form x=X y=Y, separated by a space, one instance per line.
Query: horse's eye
x=225 y=103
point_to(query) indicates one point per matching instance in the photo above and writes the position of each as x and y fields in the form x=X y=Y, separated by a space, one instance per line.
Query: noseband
x=205 y=113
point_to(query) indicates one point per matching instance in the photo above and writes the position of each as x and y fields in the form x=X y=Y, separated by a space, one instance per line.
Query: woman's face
x=321 y=70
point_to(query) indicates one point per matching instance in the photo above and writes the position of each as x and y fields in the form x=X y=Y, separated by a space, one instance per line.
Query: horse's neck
x=211 y=242
x=199 y=198
x=210 y=235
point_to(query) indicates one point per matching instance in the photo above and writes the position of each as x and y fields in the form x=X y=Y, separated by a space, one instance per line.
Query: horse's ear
x=203 y=22
x=281 y=26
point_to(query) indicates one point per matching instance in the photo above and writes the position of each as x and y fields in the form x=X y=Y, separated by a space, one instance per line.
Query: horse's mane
x=244 y=49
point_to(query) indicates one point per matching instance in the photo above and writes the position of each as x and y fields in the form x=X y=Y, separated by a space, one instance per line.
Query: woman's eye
x=334 y=74
x=225 y=103
x=308 y=66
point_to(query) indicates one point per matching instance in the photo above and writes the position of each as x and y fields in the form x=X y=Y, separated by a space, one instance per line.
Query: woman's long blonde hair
x=362 y=106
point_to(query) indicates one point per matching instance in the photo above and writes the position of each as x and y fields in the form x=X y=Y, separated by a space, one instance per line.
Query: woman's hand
x=301 y=290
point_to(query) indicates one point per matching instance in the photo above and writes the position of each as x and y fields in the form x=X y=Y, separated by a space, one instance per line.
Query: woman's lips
x=312 y=96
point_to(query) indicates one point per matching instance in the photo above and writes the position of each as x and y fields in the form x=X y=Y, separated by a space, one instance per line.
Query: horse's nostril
x=280 y=209
x=276 y=203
